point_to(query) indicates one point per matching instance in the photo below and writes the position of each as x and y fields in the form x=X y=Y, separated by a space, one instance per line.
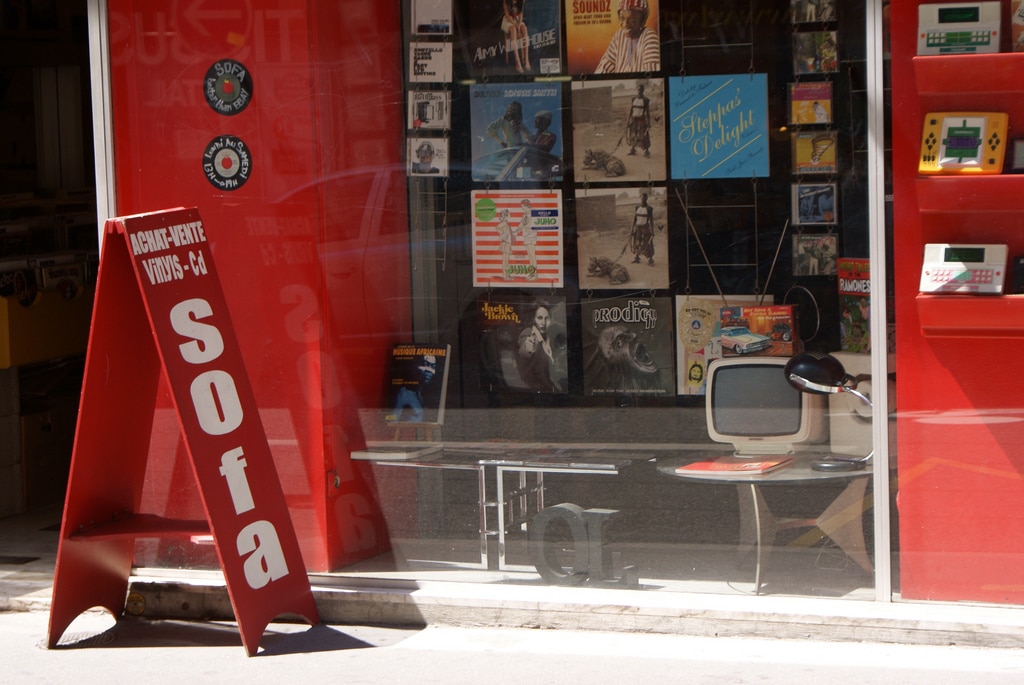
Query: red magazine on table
x=737 y=465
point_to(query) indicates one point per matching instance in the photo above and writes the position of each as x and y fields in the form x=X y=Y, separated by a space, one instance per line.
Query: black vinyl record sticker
x=227 y=87
x=227 y=162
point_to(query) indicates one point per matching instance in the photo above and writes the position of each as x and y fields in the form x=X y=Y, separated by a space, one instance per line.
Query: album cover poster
x=515 y=37
x=854 y=281
x=430 y=110
x=815 y=254
x=814 y=203
x=517 y=239
x=628 y=346
x=696 y=323
x=698 y=330
x=516 y=131
x=622 y=238
x=418 y=383
x=813 y=11
x=814 y=152
x=597 y=42
x=431 y=17
x=523 y=343
x=430 y=62
x=810 y=102
x=428 y=156
x=815 y=52
x=619 y=130
x=719 y=126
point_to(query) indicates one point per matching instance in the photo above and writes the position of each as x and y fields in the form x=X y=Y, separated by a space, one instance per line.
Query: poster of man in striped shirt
x=634 y=47
x=612 y=36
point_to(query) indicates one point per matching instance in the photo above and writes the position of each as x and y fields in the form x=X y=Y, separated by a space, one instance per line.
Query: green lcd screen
x=964 y=255
x=959 y=15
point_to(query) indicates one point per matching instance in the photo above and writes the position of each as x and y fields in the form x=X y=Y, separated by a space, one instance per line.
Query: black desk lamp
x=823 y=374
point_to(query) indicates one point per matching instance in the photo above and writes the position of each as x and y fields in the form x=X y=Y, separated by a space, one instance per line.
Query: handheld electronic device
x=958 y=28
x=963 y=269
x=963 y=143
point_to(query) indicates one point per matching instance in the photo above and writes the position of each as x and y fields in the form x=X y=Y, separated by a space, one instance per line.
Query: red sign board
x=160 y=309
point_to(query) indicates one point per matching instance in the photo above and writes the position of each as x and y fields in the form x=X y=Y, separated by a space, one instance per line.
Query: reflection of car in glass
x=518 y=164
x=783 y=332
x=740 y=340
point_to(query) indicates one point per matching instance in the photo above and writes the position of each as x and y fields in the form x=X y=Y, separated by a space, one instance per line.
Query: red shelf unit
x=961 y=490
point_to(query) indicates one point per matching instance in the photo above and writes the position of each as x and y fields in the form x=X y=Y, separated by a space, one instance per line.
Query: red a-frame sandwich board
x=159 y=308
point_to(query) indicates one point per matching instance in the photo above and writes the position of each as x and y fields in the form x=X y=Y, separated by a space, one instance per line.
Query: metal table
x=514 y=505
x=842 y=521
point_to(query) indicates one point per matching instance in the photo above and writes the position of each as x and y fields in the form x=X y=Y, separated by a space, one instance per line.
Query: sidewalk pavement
x=463 y=633
x=142 y=651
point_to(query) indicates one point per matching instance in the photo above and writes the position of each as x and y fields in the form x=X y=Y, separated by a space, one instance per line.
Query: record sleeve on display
x=517 y=238
x=523 y=342
x=516 y=132
x=815 y=52
x=854 y=304
x=622 y=238
x=719 y=126
x=596 y=42
x=619 y=130
x=699 y=330
x=418 y=384
x=511 y=37
x=810 y=102
x=431 y=17
x=814 y=203
x=430 y=110
x=428 y=156
x=815 y=254
x=813 y=11
x=628 y=346
x=768 y=330
x=430 y=62
x=814 y=152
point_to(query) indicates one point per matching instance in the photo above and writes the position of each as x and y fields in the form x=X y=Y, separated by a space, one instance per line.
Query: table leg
x=481 y=486
x=756 y=524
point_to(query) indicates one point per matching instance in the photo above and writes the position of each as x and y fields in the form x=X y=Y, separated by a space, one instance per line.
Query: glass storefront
x=619 y=258
x=520 y=285
x=542 y=295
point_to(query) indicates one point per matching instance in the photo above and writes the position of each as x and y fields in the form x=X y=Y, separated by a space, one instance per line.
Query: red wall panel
x=312 y=248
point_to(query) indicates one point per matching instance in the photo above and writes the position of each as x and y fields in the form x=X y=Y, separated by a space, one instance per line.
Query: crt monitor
x=751 y=405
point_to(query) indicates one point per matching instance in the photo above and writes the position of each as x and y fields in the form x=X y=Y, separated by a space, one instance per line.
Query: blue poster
x=719 y=126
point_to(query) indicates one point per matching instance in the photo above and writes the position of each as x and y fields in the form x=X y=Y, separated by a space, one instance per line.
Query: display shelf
x=131 y=526
x=942 y=75
x=971 y=316
x=970 y=194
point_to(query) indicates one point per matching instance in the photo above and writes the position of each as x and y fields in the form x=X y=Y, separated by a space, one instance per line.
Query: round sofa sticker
x=227 y=162
x=228 y=87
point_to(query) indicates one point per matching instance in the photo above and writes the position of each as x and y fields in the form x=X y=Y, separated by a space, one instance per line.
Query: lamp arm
x=858 y=393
